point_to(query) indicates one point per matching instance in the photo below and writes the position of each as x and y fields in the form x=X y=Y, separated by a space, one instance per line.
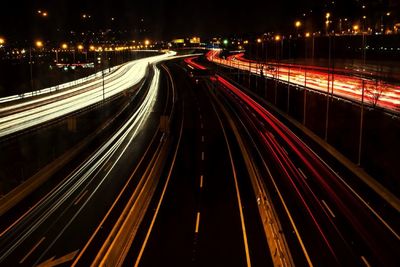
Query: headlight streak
x=130 y=74
x=119 y=142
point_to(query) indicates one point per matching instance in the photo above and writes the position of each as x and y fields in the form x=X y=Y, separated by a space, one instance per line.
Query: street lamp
x=38 y=44
x=297 y=24
x=2 y=41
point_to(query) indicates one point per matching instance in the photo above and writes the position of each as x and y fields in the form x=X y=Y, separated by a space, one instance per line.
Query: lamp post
x=257 y=61
x=297 y=24
x=278 y=40
x=38 y=45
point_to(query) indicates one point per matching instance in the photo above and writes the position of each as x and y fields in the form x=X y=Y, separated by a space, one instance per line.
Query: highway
x=325 y=217
x=19 y=115
x=343 y=83
x=208 y=215
x=57 y=227
x=199 y=173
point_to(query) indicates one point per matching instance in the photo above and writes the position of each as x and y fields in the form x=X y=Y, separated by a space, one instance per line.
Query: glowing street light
x=307 y=34
x=356 y=27
x=2 y=41
x=277 y=38
x=80 y=47
x=259 y=40
x=146 y=42
x=92 y=48
x=327 y=15
x=64 y=46
x=297 y=24
x=39 y=44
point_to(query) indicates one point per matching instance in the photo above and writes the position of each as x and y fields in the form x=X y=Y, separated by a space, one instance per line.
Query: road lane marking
x=327 y=207
x=201 y=125
x=202 y=156
x=302 y=173
x=80 y=198
x=201 y=117
x=30 y=251
x=275 y=186
x=196 y=230
x=108 y=166
x=54 y=262
x=201 y=181
x=239 y=201
x=202 y=138
x=100 y=226
x=365 y=261
x=139 y=257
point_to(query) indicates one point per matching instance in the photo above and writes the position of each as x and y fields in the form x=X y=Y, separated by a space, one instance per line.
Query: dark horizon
x=161 y=19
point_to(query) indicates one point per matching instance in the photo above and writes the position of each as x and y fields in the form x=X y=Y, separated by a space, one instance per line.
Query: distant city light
x=146 y=42
x=39 y=44
x=80 y=47
x=277 y=37
x=307 y=34
x=2 y=41
x=328 y=15
x=297 y=24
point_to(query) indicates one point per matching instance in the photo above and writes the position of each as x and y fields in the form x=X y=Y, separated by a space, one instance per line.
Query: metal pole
x=266 y=68
x=288 y=86
x=305 y=85
x=30 y=69
x=327 y=94
x=361 y=124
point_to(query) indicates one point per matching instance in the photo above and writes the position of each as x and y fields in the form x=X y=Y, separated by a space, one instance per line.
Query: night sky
x=163 y=19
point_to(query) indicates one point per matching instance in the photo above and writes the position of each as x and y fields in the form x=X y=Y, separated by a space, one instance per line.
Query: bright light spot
x=307 y=34
x=64 y=46
x=2 y=41
x=39 y=44
x=259 y=40
x=328 y=15
x=80 y=47
x=277 y=38
x=225 y=41
x=297 y=24
x=146 y=42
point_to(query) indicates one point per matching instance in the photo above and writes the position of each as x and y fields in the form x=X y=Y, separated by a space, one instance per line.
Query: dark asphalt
x=219 y=240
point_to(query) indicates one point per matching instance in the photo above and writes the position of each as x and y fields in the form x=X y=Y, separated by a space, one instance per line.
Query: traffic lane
x=326 y=204
x=171 y=239
x=258 y=246
x=317 y=228
x=219 y=239
x=112 y=186
x=106 y=193
x=178 y=217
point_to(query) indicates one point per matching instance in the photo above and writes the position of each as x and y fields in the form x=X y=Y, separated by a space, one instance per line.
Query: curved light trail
x=20 y=116
x=376 y=93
